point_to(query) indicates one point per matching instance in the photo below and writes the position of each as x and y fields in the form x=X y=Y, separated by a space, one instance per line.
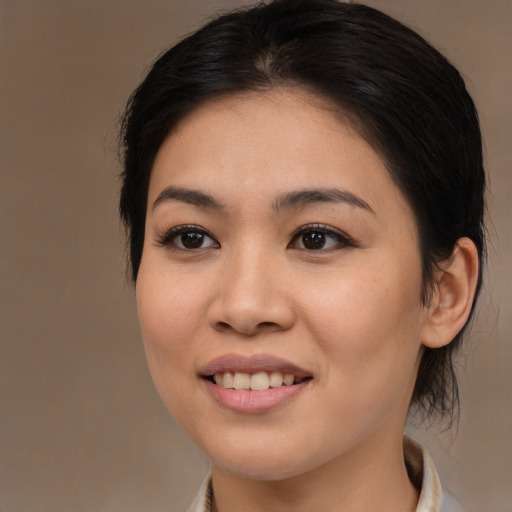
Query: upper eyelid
x=344 y=238
x=170 y=233
x=186 y=227
x=324 y=228
x=167 y=235
x=306 y=227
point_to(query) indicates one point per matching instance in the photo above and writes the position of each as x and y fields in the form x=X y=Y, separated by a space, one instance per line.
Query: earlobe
x=454 y=289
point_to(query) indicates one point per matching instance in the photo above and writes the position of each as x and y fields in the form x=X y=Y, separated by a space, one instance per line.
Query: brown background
x=82 y=428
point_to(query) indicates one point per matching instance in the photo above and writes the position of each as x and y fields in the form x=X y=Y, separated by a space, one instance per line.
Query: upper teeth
x=256 y=381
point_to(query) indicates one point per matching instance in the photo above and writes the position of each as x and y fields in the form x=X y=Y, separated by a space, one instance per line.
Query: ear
x=454 y=289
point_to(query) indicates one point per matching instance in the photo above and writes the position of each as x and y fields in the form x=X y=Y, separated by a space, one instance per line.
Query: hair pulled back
x=401 y=94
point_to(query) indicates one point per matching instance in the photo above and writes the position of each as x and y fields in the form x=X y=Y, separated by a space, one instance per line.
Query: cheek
x=368 y=323
x=169 y=314
x=170 y=311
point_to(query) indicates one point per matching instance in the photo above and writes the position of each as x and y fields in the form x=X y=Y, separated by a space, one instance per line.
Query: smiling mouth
x=260 y=381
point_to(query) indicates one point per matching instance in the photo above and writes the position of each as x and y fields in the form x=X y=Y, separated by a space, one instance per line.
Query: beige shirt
x=422 y=473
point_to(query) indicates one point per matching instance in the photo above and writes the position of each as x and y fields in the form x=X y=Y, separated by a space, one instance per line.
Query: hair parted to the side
x=401 y=94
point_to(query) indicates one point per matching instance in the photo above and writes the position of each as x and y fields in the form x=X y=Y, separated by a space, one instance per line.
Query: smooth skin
x=333 y=286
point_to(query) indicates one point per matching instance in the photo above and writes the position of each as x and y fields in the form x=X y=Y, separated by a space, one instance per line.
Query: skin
x=349 y=313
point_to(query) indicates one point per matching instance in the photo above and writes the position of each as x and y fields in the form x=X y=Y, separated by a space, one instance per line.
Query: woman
x=303 y=192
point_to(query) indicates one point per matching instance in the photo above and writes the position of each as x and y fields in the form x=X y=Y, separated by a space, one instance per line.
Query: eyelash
x=167 y=239
x=342 y=239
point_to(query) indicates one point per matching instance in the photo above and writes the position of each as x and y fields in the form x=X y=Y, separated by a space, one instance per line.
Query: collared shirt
x=420 y=467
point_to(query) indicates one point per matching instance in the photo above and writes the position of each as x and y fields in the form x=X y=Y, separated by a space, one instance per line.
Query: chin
x=268 y=463
x=264 y=470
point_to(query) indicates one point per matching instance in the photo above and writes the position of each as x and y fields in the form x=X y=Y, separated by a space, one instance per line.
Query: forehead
x=269 y=143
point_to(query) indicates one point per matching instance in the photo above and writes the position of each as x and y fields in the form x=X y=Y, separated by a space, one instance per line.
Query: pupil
x=313 y=240
x=192 y=240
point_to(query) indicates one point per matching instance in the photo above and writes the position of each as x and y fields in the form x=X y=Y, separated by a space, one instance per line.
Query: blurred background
x=81 y=426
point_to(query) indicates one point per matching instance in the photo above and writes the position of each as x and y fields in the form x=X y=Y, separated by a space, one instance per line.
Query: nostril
x=249 y=314
x=246 y=329
x=267 y=325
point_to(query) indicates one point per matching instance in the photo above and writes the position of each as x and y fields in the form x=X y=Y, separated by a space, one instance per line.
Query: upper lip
x=252 y=364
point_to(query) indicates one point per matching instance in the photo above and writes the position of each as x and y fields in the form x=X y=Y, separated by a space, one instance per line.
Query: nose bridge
x=251 y=296
x=250 y=274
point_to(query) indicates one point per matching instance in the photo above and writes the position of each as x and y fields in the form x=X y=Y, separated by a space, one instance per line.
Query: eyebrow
x=189 y=196
x=291 y=200
x=303 y=198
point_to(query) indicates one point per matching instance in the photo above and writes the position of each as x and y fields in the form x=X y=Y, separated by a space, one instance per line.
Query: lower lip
x=254 y=401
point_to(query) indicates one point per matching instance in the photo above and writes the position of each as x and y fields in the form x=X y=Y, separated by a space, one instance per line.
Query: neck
x=370 y=476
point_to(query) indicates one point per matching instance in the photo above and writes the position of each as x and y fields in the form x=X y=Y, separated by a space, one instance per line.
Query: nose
x=251 y=296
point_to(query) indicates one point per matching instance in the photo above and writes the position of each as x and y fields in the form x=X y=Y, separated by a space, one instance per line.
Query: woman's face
x=277 y=244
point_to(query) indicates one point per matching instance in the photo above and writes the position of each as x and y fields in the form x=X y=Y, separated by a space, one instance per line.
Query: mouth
x=251 y=384
x=260 y=381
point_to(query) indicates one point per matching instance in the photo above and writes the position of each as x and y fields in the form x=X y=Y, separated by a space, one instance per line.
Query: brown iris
x=192 y=239
x=313 y=240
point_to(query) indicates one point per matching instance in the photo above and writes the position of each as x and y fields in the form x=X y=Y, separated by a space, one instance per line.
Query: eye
x=319 y=237
x=187 y=238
